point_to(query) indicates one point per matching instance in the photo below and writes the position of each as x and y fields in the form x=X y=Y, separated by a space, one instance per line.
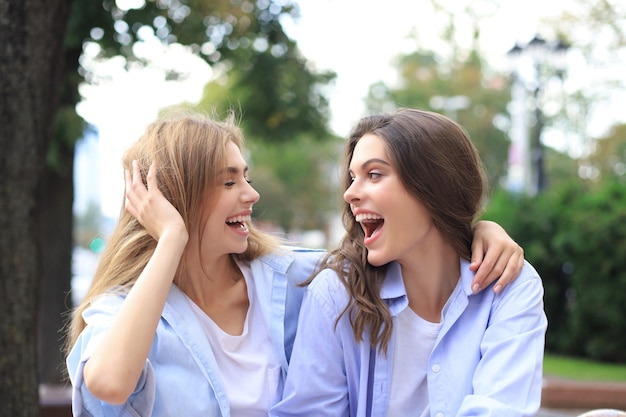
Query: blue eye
x=229 y=184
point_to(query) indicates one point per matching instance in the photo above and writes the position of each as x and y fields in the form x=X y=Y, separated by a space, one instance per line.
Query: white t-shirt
x=414 y=339
x=247 y=362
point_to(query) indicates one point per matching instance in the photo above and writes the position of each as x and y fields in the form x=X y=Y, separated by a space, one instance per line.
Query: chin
x=239 y=249
x=376 y=260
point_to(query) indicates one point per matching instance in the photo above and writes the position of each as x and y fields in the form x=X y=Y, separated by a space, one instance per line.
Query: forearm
x=113 y=370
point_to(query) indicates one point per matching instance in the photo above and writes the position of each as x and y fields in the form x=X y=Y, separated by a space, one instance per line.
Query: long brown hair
x=440 y=167
x=189 y=151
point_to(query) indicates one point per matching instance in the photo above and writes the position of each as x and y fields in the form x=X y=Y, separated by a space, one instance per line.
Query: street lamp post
x=532 y=66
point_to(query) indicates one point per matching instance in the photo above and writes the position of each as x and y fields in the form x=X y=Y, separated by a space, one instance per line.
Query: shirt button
x=436 y=368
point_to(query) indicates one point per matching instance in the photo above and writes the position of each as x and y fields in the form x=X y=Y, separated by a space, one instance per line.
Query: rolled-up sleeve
x=98 y=319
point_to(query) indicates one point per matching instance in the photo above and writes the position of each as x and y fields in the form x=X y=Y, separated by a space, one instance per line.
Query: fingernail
x=497 y=288
x=475 y=288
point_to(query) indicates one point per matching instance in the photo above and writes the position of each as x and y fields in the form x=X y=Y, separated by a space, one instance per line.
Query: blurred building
x=86 y=173
x=87 y=196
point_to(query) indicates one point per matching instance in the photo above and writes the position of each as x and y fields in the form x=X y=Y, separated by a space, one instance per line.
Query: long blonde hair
x=189 y=151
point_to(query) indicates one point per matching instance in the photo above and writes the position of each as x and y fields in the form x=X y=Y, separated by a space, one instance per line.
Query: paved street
x=553 y=412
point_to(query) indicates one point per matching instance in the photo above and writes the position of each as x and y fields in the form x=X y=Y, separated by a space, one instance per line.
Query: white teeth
x=238 y=219
x=367 y=216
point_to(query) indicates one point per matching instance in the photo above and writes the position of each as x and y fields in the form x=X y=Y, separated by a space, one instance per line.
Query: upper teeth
x=367 y=216
x=239 y=219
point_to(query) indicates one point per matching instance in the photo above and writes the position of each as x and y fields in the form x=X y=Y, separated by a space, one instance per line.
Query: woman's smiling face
x=226 y=229
x=395 y=223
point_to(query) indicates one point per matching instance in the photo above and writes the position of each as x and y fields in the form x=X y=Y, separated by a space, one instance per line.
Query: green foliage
x=424 y=77
x=253 y=58
x=575 y=236
x=278 y=96
x=258 y=71
x=224 y=24
x=219 y=31
x=600 y=281
x=609 y=158
x=560 y=169
x=296 y=180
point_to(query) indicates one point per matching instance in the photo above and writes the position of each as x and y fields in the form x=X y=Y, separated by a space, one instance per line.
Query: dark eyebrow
x=371 y=161
x=374 y=161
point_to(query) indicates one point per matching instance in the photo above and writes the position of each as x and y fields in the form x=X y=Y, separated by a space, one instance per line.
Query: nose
x=351 y=194
x=249 y=194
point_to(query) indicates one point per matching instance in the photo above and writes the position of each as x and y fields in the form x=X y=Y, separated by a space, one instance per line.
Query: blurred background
x=539 y=86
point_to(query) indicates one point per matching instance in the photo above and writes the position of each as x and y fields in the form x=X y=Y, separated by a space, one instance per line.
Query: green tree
x=460 y=88
x=278 y=94
x=596 y=32
x=574 y=235
x=561 y=169
x=608 y=159
x=297 y=187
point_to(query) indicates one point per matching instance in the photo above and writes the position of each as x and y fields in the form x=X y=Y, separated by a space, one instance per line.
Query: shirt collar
x=394 y=293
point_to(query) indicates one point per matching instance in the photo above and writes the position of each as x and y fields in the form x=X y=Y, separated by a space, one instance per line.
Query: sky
x=355 y=38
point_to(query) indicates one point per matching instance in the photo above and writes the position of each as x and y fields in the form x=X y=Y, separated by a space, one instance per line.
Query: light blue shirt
x=181 y=376
x=487 y=359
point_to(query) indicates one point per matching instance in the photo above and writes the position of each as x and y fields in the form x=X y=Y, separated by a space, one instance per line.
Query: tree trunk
x=55 y=215
x=31 y=42
x=54 y=211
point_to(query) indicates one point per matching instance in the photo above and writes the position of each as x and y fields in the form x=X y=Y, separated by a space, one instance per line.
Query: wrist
x=177 y=236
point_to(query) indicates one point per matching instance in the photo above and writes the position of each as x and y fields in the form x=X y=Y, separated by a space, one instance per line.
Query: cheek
x=215 y=220
x=405 y=214
x=394 y=203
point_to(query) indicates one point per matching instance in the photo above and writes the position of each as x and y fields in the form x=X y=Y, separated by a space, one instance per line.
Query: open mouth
x=238 y=222
x=370 y=223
